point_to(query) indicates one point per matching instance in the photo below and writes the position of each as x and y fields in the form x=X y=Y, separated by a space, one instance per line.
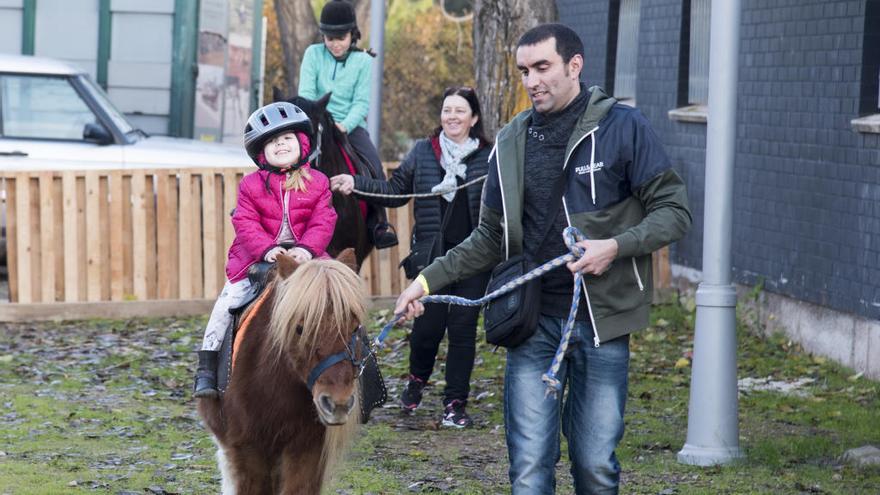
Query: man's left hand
x=597 y=257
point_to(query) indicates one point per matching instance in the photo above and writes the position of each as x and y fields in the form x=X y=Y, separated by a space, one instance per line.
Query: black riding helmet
x=337 y=18
x=271 y=120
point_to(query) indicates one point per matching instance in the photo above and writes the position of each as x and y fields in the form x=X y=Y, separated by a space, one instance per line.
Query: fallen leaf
x=682 y=363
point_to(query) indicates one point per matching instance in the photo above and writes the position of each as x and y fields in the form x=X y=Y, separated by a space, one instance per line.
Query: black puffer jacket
x=419 y=171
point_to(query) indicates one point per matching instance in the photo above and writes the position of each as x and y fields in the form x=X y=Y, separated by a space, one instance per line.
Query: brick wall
x=807 y=188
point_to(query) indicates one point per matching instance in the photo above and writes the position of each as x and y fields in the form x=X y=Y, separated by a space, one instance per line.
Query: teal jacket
x=349 y=81
x=623 y=188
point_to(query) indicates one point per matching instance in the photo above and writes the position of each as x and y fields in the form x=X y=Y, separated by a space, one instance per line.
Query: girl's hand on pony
x=341 y=128
x=299 y=254
x=273 y=253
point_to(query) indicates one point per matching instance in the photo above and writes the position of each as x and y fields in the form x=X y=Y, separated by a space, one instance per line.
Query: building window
x=869 y=94
x=693 y=67
x=624 y=44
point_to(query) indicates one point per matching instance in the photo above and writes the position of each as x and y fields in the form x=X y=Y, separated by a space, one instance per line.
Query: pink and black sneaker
x=412 y=394
x=456 y=416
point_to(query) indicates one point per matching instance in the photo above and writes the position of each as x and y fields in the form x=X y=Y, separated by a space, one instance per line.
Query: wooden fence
x=146 y=235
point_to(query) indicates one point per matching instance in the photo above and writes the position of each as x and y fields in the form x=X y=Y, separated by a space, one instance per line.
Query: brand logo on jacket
x=585 y=169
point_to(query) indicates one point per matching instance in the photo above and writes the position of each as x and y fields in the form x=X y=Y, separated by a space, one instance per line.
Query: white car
x=54 y=117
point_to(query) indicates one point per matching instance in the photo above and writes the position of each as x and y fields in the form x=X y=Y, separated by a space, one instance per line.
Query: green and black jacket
x=623 y=187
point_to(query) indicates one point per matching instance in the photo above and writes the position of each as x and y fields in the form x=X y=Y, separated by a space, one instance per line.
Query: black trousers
x=460 y=324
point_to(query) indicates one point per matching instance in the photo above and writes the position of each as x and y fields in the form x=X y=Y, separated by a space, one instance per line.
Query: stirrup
x=384 y=235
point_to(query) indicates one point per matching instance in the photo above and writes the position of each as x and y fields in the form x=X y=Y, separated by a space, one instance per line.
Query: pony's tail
x=212 y=413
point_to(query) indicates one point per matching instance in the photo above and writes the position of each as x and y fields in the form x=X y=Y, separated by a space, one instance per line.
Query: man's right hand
x=408 y=302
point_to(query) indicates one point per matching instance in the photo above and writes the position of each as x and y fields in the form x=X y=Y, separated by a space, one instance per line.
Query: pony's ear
x=286 y=265
x=348 y=258
x=324 y=100
x=277 y=95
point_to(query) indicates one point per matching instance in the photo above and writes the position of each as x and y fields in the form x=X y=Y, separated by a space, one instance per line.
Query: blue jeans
x=592 y=410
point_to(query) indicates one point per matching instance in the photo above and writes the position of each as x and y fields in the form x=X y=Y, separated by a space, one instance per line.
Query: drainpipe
x=713 y=423
x=377 y=43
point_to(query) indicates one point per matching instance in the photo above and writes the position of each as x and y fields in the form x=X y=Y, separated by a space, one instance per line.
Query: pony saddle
x=371 y=385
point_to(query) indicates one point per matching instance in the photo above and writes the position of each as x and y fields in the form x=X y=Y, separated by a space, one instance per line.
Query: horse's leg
x=302 y=471
x=226 y=473
x=250 y=470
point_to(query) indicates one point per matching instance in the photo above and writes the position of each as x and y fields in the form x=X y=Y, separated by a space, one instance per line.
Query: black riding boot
x=206 y=375
x=382 y=233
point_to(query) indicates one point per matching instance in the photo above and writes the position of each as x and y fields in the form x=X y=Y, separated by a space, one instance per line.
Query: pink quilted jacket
x=257 y=219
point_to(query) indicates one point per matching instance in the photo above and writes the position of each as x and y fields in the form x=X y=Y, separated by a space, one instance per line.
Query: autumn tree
x=498 y=24
x=424 y=53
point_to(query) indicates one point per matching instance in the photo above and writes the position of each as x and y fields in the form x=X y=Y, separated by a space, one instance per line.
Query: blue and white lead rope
x=571 y=235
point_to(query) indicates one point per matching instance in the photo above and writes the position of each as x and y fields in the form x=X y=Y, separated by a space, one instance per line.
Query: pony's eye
x=299 y=329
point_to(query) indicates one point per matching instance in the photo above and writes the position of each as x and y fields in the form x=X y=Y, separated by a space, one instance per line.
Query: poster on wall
x=238 y=70
x=210 y=83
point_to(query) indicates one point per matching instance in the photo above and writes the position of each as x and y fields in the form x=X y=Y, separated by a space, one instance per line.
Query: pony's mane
x=320 y=296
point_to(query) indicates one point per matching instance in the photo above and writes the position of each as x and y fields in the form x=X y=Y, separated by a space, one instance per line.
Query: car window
x=104 y=102
x=42 y=107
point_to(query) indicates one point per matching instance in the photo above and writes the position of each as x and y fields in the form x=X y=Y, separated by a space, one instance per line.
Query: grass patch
x=103 y=407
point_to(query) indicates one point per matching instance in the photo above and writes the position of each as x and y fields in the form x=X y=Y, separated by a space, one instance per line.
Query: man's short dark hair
x=568 y=43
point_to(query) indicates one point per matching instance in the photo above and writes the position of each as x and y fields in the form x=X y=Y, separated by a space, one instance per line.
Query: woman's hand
x=273 y=253
x=341 y=128
x=342 y=183
x=299 y=254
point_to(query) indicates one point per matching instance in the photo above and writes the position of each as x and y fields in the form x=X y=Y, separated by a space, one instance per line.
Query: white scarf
x=451 y=154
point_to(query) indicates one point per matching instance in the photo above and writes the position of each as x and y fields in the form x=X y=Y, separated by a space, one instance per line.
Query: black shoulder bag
x=512 y=318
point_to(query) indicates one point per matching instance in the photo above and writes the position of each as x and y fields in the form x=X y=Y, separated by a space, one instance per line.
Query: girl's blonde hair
x=296 y=180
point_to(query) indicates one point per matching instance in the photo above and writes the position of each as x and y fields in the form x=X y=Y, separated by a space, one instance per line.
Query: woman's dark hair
x=470 y=95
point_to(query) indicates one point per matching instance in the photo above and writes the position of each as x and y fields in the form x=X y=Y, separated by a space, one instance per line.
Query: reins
x=571 y=236
x=421 y=195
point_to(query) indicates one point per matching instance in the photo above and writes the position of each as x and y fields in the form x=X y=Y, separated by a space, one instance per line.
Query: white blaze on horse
x=291 y=406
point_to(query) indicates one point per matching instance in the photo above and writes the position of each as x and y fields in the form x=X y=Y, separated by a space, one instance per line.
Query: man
x=622 y=193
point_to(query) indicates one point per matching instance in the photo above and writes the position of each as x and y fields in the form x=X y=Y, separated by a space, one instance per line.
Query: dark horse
x=292 y=404
x=351 y=226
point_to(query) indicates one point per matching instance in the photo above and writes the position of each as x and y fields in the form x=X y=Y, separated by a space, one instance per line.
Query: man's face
x=550 y=83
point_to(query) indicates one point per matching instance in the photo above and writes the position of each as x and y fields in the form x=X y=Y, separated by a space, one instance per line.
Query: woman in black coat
x=456 y=153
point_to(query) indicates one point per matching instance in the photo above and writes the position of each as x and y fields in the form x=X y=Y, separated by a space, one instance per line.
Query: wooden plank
x=71 y=241
x=661 y=268
x=185 y=257
x=58 y=220
x=139 y=234
x=394 y=254
x=104 y=220
x=36 y=237
x=366 y=274
x=117 y=257
x=127 y=239
x=173 y=260
x=196 y=238
x=48 y=239
x=230 y=199
x=23 y=242
x=93 y=236
x=166 y=231
x=103 y=309
x=210 y=234
x=10 y=184
x=81 y=237
x=151 y=234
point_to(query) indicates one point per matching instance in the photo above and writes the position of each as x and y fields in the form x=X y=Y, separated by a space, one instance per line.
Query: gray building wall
x=807 y=191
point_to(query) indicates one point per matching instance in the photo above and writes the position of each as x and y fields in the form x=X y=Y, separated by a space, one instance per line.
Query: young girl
x=339 y=67
x=283 y=208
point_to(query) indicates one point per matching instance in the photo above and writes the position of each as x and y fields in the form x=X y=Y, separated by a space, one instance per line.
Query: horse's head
x=319 y=306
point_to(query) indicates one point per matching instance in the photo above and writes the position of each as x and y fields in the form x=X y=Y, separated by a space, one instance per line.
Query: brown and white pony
x=281 y=425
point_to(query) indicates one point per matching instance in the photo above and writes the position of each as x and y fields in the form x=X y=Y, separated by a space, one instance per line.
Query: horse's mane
x=320 y=296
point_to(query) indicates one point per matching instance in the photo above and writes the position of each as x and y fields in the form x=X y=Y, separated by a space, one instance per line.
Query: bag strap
x=555 y=197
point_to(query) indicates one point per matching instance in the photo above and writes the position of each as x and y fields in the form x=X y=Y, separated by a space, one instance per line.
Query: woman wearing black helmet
x=283 y=208
x=339 y=67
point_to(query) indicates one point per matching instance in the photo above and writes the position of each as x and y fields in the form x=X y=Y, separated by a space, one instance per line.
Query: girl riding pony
x=339 y=67
x=283 y=208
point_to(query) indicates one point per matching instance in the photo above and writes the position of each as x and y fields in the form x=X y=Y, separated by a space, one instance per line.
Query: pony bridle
x=348 y=354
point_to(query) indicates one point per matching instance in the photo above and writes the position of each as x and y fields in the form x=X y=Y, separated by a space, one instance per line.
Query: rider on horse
x=283 y=208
